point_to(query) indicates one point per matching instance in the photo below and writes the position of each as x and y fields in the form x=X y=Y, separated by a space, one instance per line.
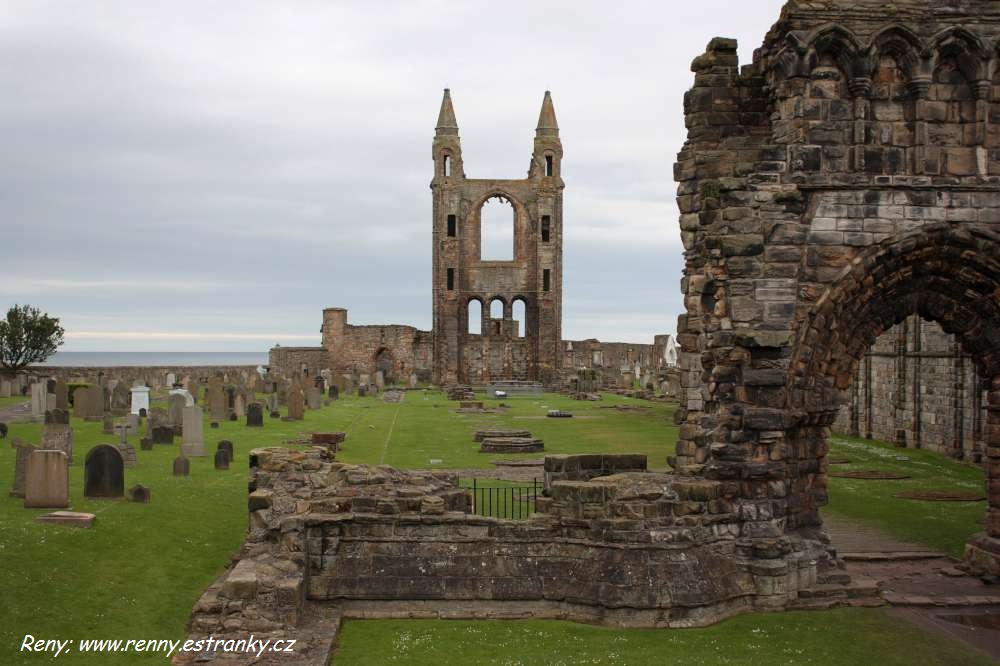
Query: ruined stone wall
x=154 y=377
x=917 y=380
x=613 y=360
x=297 y=361
x=634 y=549
x=845 y=180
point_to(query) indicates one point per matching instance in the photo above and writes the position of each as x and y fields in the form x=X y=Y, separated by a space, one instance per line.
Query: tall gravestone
x=22 y=451
x=175 y=409
x=140 y=398
x=104 y=472
x=240 y=405
x=80 y=402
x=193 y=438
x=296 y=405
x=217 y=402
x=62 y=394
x=39 y=398
x=58 y=437
x=47 y=480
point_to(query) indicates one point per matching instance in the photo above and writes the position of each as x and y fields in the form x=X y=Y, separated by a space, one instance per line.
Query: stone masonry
x=845 y=180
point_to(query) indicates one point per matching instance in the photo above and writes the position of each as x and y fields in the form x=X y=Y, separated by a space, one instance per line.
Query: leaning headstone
x=255 y=415
x=296 y=405
x=193 y=442
x=47 y=480
x=227 y=446
x=22 y=452
x=182 y=466
x=138 y=493
x=221 y=459
x=58 y=437
x=104 y=472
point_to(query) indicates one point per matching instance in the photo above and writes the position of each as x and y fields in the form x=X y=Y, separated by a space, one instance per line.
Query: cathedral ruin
x=467 y=286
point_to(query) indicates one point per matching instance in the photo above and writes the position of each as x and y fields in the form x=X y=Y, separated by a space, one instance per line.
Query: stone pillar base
x=982 y=555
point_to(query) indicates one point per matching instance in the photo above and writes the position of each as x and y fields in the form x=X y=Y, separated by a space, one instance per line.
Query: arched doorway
x=944 y=274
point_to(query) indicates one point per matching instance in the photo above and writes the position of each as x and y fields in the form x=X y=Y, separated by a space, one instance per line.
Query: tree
x=27 y=336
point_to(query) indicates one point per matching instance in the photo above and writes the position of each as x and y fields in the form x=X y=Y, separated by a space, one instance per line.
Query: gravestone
x=255 y=415
x=62 y=394
x=362 y=390
x=296 y=405
x=38 y=400
x=315 y=399
x=221 y=459
x=272 y=402
x=239 y=406
x=413 y=380
x=133 y=422
x=22 y=451
x=379 y=379
x=120 y=396
x=193 y=442
x=58 y=437
x=162 y=435
x=182 y=466
x=128 y=454
x=57 y=415
x=171 y=380
x=104 y=472
x=216 y=403
x=6 y=388
x=227 y=446
x=46 y=483
x=146 y=444
x=175 y=408
x=80 y=402
x=184 y=393
x=138 y=493
x=143 y=413
x=108 y=427
x=3 y=431
x=140 y=399
x=334 y=392
x=50 y=401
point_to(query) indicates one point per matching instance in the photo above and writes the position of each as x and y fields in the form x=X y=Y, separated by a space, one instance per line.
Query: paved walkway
x=921 y=585
x=15 y=412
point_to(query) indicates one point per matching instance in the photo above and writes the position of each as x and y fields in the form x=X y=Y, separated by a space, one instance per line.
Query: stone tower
x=496 y=349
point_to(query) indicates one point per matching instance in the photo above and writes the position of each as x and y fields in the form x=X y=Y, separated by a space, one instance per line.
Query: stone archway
x=385 y=361
x=942 y=273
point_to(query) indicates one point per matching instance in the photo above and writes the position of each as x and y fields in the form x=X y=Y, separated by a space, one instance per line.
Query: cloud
x=231 y=168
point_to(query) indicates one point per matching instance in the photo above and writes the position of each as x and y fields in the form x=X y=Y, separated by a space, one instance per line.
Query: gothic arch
x=942 y=273
x=840 y=44
x=901 y=44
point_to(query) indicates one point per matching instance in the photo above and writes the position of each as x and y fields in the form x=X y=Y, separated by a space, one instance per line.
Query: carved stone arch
x=839 y=43
x=970 y=52
x=904 y=46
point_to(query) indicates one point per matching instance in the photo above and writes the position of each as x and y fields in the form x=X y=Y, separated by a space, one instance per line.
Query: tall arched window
x=446 y=165
x=520 y=314
x=475 y=317
x=496 y=309
x=496 y=240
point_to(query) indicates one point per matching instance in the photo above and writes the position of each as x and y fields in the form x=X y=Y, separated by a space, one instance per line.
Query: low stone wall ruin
x=631 y=549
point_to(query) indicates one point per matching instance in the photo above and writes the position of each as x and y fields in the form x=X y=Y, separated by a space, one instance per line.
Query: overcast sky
x=210 y=175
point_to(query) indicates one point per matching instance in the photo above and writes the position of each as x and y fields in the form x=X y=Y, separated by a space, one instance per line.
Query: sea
x=106 y=359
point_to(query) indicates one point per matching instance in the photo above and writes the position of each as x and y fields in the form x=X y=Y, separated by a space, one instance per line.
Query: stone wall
x=845 y=180
x=297 y=361
x=636 y=549
x=154 y=376
x=917 y=380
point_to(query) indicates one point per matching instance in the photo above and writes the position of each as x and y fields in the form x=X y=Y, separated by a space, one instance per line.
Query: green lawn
x=13 y=400
x=138 y=572
x=942 y=525
x=840 y=636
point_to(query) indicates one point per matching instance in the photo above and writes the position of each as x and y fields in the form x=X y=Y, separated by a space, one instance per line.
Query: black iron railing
x=508 y=501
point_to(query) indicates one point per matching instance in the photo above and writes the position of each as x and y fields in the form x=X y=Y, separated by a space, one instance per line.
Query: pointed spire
x=446 y=118
x=547 y=125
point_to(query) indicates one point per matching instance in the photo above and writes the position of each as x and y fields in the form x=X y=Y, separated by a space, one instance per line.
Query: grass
x=13 y=400
x=840 y=636
x=941 y=525
x=139 y=571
